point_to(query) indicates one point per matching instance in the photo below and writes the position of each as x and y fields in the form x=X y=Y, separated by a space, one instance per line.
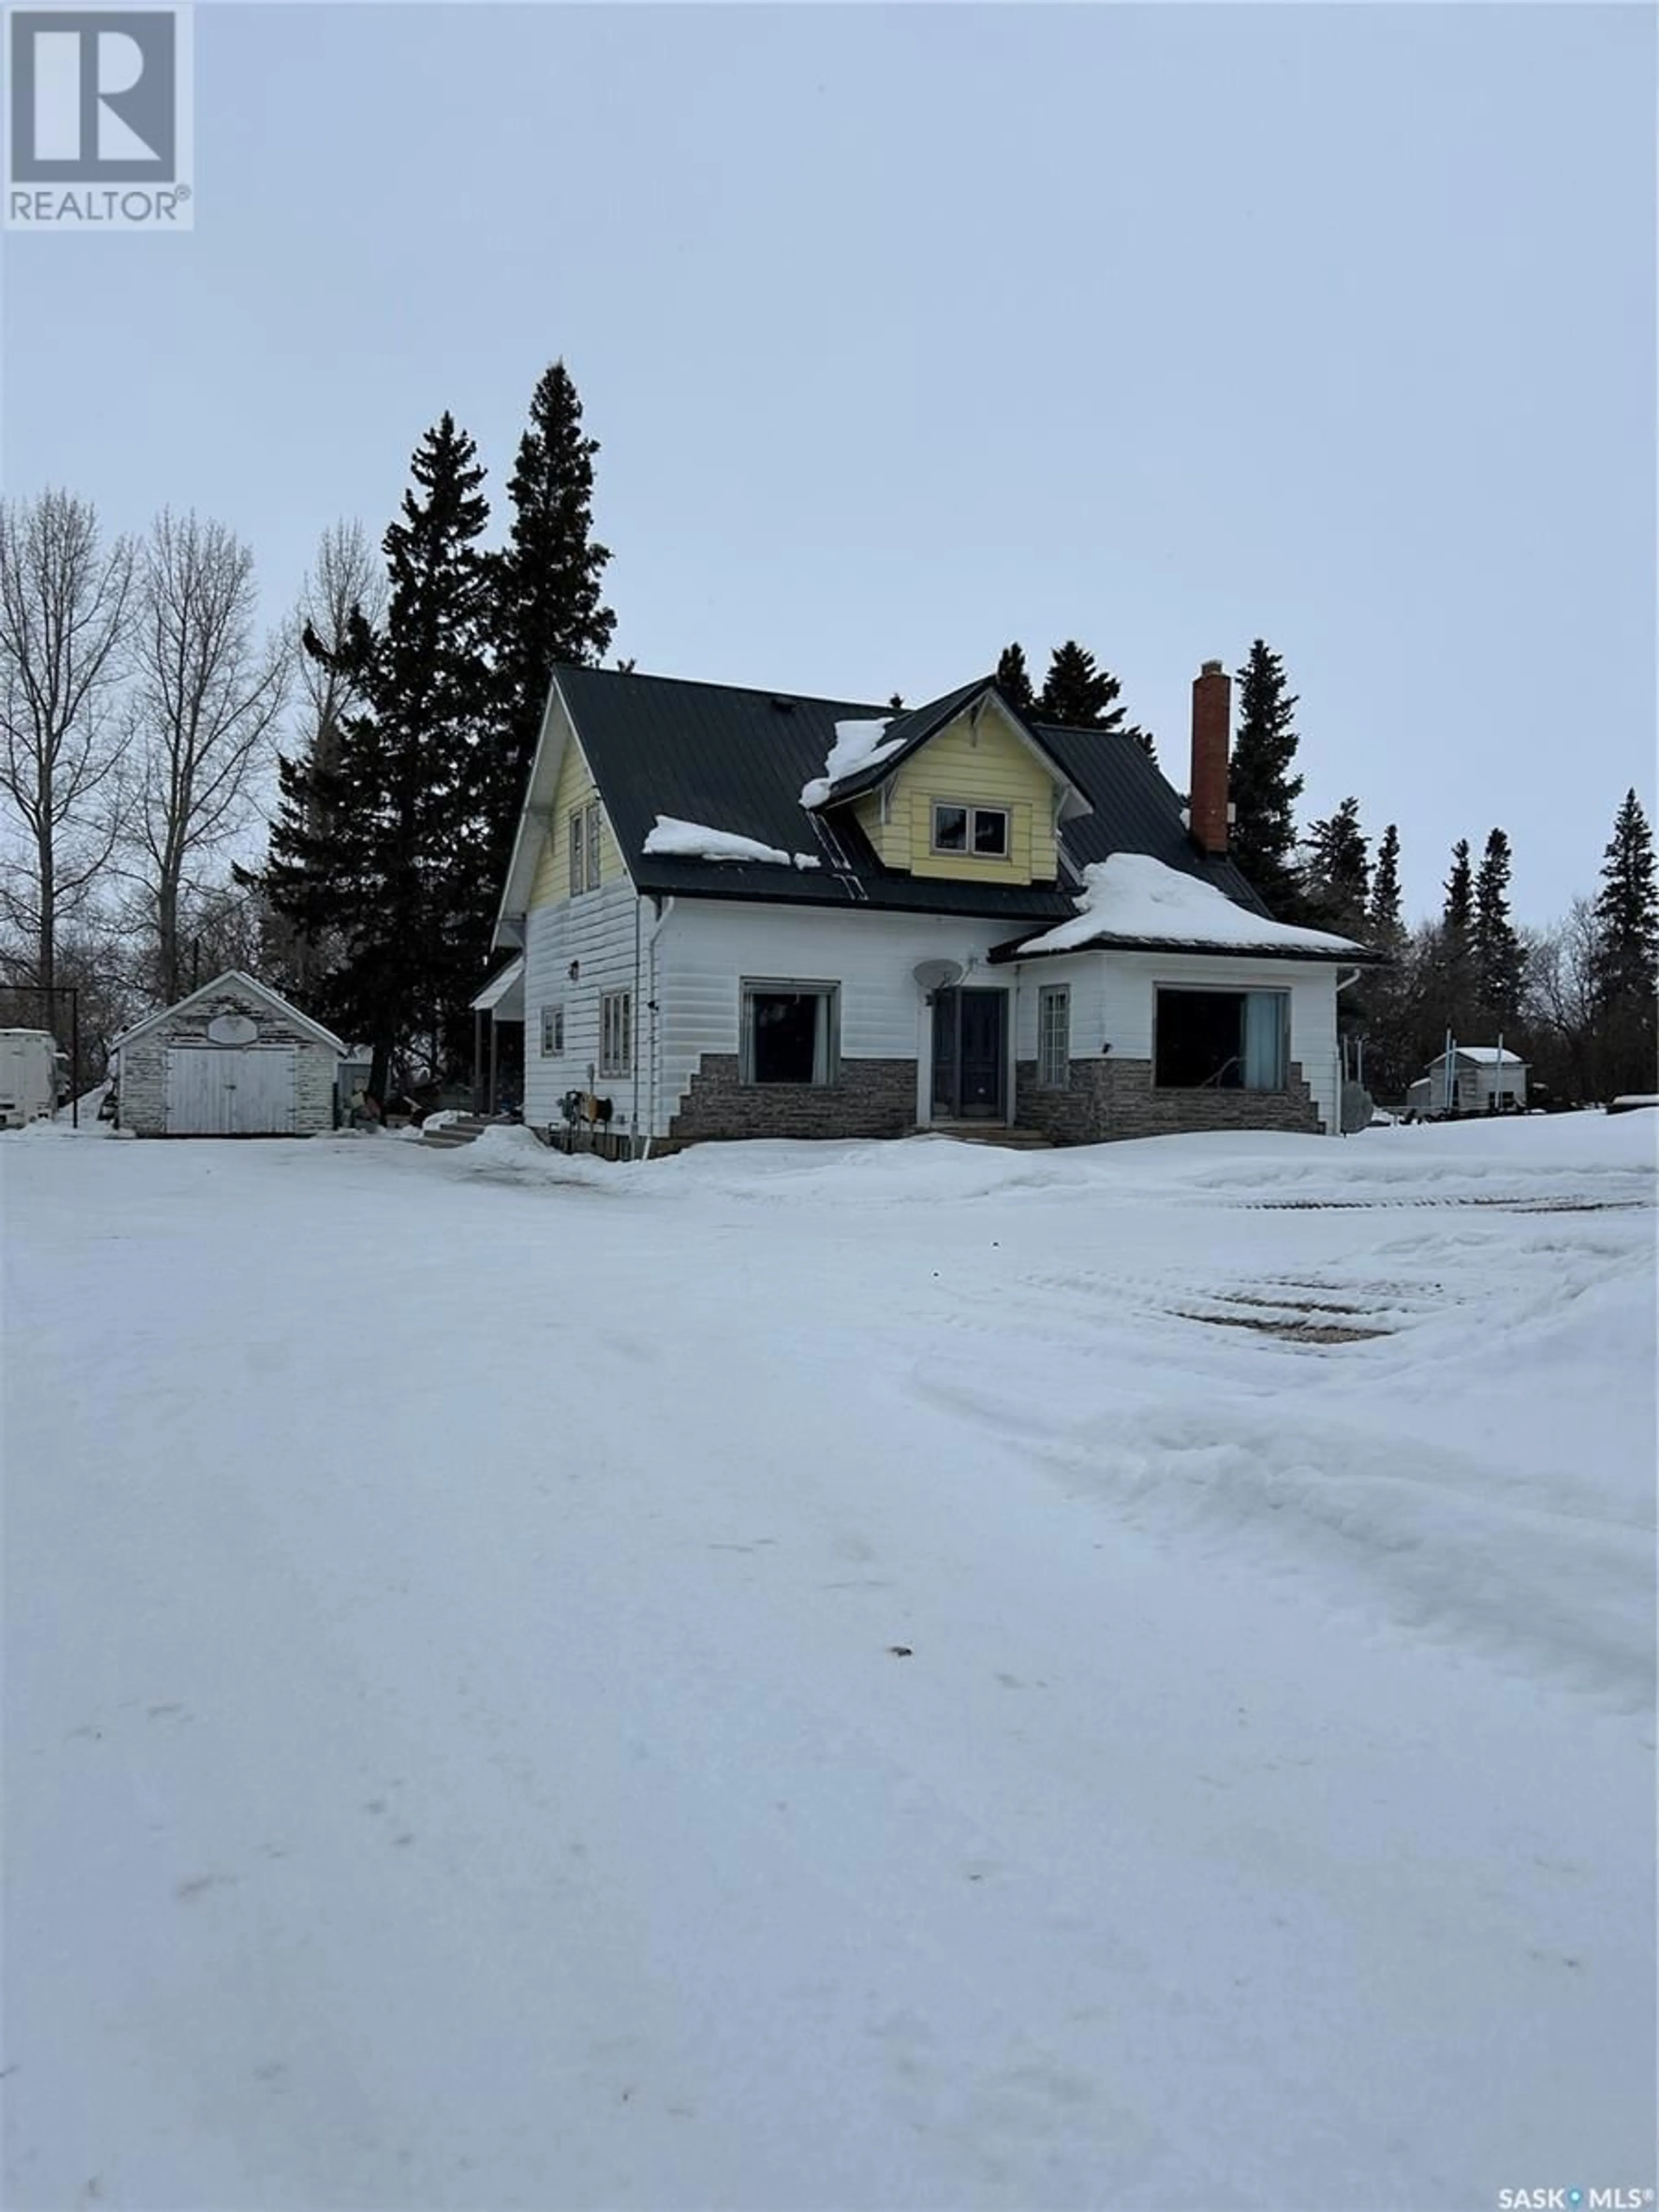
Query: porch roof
x=503 y=995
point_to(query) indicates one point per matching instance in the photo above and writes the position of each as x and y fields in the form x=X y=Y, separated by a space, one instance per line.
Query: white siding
x=1085 y=975
x=598 y=930
x=1477 y=1081
x=707 y=946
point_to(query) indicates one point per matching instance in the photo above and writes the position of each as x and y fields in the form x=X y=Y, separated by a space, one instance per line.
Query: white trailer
x=29 y=1065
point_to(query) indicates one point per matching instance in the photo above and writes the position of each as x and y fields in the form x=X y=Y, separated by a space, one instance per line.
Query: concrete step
x=991 y=1133
x=464 y=1129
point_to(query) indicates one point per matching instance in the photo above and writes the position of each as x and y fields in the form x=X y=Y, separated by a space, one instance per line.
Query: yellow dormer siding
x=576 y=792
x=986 y=766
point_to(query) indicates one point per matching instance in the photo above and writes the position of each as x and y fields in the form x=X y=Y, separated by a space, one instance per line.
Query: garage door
x=230 y=1094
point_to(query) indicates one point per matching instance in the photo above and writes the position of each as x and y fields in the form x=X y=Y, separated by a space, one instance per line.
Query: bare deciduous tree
x=1563 y=1007
x=206 y=700
x=346 y=577
x=65 y=599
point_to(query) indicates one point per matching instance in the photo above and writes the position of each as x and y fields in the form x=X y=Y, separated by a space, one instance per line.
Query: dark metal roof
x=735 y=759
x=1135 y=809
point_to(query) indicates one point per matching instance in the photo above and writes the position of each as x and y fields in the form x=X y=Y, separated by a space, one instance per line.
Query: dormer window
x=980 y=830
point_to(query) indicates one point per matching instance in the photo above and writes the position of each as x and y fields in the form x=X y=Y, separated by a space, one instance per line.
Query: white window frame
x=1055 y=1069
x=617 y=1033
x=586 y=872
x=552 y=1032
x=578 y=842
x=754 y=986
x=970 y=850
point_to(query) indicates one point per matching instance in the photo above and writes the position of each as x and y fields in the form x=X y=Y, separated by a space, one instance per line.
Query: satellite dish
x=232 y=1029
x=937 y=975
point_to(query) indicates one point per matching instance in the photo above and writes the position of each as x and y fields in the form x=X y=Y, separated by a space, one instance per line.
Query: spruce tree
x=1626 y=955
x=1264 y=790
x=1452 y=966
x=547 y=606
x=1391 y=1059
x=1014 y=679
x=1499 y=962
x=1457 y=914
x=1079 y=695
x=1384 y=922
x=377 y=851
x=1336 y=874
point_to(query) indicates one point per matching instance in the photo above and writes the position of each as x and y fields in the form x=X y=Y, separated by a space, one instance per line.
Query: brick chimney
x=1211 y=711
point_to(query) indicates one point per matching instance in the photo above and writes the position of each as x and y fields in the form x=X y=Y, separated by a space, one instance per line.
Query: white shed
x=233 y=1060
x=1473 y=1079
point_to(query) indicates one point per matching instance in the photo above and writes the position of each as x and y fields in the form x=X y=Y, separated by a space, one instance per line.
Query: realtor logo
x=99 y=120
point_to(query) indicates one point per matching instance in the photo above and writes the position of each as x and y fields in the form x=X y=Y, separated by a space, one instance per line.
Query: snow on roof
x=695 y=840
x=1488 y=1055
x=498 y=987
x=858 y=745
x=233 y=983
x=1134 y=896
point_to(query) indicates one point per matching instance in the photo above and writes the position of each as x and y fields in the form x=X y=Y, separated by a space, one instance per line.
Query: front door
x=971 y=1055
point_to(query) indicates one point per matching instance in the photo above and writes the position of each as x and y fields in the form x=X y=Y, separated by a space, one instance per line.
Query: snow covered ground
x=846 y=1677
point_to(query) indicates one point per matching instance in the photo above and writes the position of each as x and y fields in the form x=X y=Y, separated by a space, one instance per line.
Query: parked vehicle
x=30 y=1066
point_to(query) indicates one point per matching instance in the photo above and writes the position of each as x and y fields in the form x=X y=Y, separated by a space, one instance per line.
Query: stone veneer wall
x=1110 y=1098
x=868 y=1099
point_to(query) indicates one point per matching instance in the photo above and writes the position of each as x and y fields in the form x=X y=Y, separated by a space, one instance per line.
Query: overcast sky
x=910 y=331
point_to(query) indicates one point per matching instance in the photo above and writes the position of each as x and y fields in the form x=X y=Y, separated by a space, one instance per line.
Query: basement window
x=1222 y=1040
x=790 y=1033
x=981 y=830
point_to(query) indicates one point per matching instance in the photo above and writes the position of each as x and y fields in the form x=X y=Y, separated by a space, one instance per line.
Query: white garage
x=235 y=1059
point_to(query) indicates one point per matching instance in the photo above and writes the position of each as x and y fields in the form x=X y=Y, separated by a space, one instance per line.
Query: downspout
x=633 y=1140
x=665 y=909
x=1011 y=1072
x=1343 y=982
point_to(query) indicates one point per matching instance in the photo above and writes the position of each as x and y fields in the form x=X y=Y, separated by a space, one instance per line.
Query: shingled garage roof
x=736 y=760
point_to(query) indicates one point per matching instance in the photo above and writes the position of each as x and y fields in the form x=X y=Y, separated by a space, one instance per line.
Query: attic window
x=981 y=831
x=585 y=848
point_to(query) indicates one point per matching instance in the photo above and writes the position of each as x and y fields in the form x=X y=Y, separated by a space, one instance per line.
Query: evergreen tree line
x=1076 y=694
x=395 y=821
x=139 y=711
x=1578 y=1001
